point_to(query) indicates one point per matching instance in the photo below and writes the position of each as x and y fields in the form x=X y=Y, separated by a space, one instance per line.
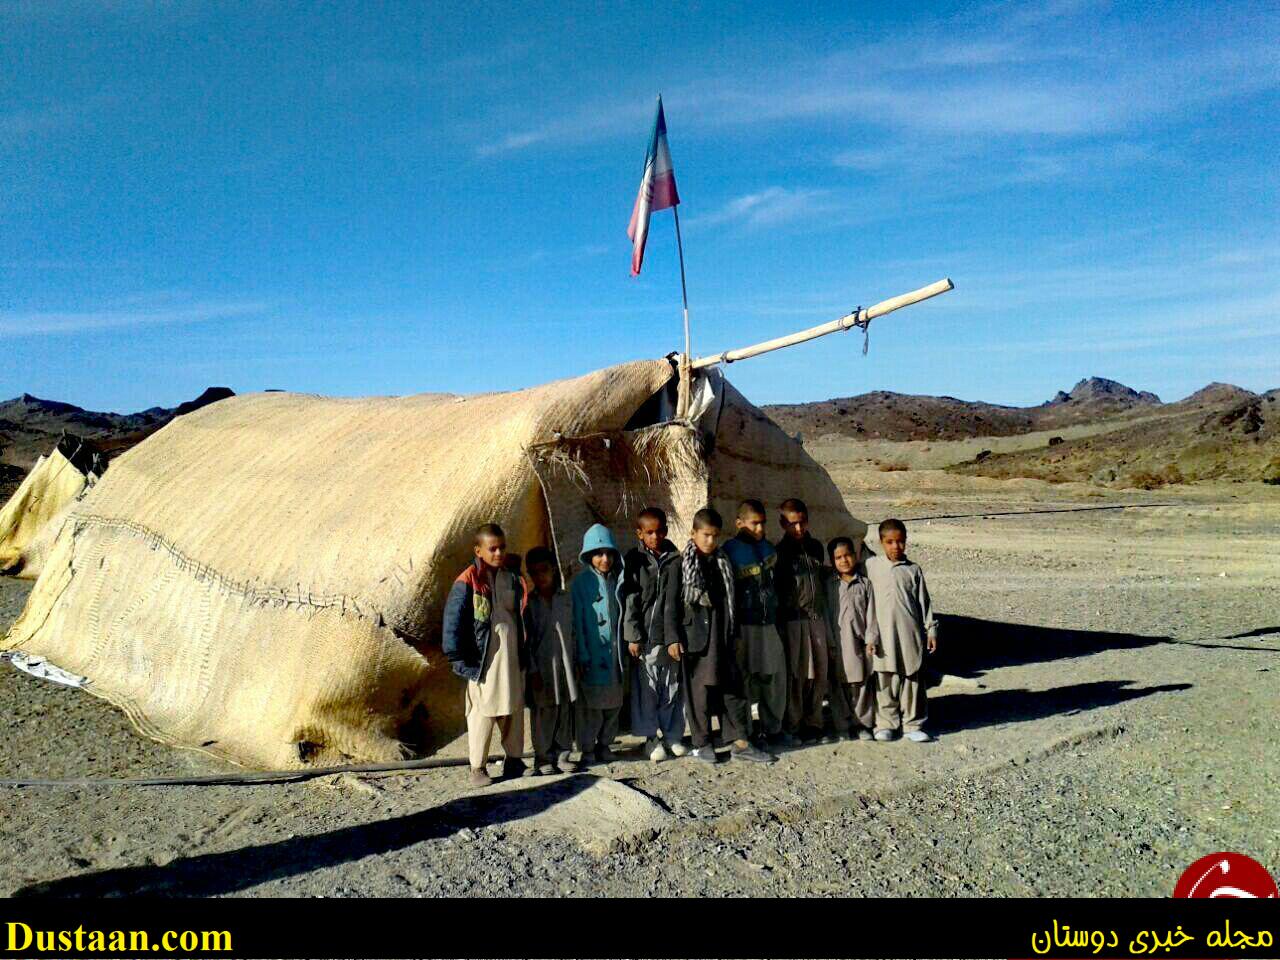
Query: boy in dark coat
x=802 y=617
x=698 y=604
x=657 y=704
x=760 y=651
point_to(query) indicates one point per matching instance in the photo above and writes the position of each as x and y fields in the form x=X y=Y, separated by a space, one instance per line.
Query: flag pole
x=682 y=402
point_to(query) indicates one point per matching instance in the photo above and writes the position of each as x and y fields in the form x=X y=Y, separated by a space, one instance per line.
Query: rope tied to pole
x=862 y=320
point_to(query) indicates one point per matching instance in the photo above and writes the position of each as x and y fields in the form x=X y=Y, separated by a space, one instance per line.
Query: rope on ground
x=260 y=777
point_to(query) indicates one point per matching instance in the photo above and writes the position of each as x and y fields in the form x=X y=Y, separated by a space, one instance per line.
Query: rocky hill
x=1220 y=432
x=30 y=427
x=882 y=415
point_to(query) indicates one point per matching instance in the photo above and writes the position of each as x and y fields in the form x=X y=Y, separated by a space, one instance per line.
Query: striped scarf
x=694 y=587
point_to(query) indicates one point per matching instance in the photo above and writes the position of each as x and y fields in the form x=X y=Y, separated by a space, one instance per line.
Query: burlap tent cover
x=264 y=578
x=28 y=520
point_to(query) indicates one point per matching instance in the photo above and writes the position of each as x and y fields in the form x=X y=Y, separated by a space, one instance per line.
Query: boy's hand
x=634 y=650
x=673 y=651
x=933 y=643
x=871 y=649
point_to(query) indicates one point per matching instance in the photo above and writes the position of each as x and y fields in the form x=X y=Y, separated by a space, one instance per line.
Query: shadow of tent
x=968 y=645
x=967 y=711
x=213 y=874
x=1259 y=632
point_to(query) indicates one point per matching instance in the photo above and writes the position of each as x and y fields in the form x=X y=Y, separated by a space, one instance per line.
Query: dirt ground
x=1110 y=716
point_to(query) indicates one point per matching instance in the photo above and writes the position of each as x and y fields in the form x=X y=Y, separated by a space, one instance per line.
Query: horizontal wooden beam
x=844 y=323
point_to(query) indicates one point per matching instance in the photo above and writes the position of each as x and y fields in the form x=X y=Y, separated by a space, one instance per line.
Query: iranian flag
x=657 y=189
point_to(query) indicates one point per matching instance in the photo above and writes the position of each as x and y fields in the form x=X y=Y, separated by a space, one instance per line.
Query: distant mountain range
x=883 y=415
x=30 y=426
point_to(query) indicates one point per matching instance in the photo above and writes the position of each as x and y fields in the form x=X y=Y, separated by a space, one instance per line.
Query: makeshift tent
x=264 y=578
x=54 y=483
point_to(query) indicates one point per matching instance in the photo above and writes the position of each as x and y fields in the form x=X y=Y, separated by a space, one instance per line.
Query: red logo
x=1226 y=875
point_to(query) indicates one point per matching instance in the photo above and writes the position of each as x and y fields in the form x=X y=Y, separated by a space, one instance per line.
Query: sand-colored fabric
x=44 y=497
x=754 y=458
x=264 y=578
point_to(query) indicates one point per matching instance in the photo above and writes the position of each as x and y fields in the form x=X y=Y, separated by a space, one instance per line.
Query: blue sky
x=392 y=198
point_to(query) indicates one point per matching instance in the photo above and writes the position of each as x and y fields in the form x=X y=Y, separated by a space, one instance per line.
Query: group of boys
x=699 y=634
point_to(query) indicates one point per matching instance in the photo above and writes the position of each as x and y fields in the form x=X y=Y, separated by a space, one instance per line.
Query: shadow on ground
x=949 y=714
x=969 y=646
x=214 y=874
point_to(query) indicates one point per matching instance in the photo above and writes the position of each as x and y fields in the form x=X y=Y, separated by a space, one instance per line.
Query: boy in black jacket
x=698 y=605
x=657 y=704
x=802 y=620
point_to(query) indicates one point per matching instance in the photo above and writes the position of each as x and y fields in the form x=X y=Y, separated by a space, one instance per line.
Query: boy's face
x=895 y=544
x=491 y=550
x=704 y=539
x=753 y=523
x=650 y=533
x=602 y=560
x=844 y=559
x=543 y=576
x=795 y=524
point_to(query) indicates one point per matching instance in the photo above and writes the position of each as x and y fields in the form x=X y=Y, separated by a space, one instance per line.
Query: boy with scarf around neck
x=657 y=702
x=802 y=620
x=904 y=614
x=854 y=632
x=485 y=645
x=699 y=632
x=553 y=680
x=597 y=636
x=755 y=607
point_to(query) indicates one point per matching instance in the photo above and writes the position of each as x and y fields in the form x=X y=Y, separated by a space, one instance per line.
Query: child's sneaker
x=884 y=736
x=655 y=750
x=918 y=736
x=677 y=748
x=567 y=764
x=706 y=754
x=865 y=734
x=480 y=777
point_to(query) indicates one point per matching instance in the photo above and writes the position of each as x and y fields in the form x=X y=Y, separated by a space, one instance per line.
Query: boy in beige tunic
x=904 y=615
x=854 y=632
x=484 y=643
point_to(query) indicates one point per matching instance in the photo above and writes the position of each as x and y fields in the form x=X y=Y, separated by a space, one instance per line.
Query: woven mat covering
x=45 y=494
x=264 y=578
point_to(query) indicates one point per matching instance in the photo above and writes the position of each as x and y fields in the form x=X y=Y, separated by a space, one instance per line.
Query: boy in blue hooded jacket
x=597 y=634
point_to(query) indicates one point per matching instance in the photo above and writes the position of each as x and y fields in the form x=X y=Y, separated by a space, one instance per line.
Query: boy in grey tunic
x=904 y=615
x=854 y=633
x=553 y=685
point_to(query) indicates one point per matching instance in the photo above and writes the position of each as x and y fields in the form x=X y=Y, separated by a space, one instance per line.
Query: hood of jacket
x=597 y=537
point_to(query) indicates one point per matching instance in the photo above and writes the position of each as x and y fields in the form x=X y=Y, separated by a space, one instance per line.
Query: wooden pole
x=685 y=388
x=834 y=326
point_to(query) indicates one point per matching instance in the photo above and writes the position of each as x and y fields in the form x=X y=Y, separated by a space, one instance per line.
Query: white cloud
x=768 y=207
x=16 y=324
x=994 y=74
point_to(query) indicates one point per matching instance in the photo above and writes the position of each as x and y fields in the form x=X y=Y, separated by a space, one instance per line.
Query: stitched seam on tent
x=252 y=594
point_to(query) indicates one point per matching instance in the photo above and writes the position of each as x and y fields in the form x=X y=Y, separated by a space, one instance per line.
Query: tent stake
x=857 y=318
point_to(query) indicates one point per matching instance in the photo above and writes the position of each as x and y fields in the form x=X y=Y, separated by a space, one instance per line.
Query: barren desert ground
x=1109 y=714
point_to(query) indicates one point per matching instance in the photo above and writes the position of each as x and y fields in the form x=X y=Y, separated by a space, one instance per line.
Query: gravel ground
x=1112 y=719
